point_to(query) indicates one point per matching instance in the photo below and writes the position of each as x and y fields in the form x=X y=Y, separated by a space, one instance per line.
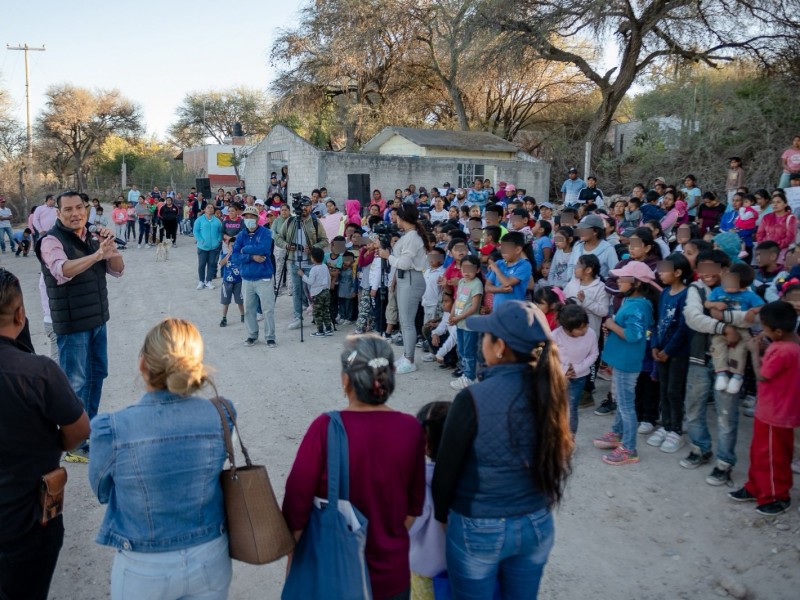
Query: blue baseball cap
x=521 y=325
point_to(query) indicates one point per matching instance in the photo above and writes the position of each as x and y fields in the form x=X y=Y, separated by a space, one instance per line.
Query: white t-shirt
x=439 y=215
x=5 y=212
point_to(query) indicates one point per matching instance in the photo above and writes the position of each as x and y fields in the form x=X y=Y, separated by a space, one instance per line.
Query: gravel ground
x=651 y=530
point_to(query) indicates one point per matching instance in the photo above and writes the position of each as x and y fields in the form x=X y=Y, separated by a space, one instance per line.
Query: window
x=282 y=156
x=468 y=173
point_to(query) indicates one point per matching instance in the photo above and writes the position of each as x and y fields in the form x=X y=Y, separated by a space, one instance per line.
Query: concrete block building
x=394 y=158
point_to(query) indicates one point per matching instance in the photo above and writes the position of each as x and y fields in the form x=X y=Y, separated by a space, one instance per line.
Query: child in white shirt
x=577 y=348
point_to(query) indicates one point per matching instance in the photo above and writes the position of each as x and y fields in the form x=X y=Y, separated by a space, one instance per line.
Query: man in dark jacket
x=74 y=266
x=254 y=245
x=40 y=416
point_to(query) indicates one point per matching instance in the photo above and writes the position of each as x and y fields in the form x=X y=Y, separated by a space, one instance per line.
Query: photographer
x=297 y=236
x=408 y=257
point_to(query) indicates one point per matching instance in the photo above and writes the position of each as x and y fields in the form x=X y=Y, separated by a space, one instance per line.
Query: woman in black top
x=495 y=485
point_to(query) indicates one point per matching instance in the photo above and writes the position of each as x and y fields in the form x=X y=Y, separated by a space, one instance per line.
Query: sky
x=154 y=52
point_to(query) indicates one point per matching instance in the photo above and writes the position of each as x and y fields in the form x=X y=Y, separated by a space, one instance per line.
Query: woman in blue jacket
x=157 y=466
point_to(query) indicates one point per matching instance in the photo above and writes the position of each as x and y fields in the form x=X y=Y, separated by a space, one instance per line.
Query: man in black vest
x=74 y=266
x=39 y=417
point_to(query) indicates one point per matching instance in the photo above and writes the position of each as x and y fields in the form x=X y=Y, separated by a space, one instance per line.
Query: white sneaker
x=201 y=285
x=461 y=383
x=428 y=357
x=404 y=366
x=734 y=385
x=673 y=443
x=645 y=428
x=139 y=246
x=210 y=286
x=259 y=316
x=294 y=324
x=658 y=437
x=749 y=402
x=721 y=382
x=419 y=344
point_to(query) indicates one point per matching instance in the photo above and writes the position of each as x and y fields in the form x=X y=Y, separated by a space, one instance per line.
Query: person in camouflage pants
x=364 y=311
x=322 y=312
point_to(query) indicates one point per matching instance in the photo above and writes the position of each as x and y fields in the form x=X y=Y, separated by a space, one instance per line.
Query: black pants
x=144 y=230
x=672 y=386
x=334 y=303
x=171 y=229
x=130 y=231
x=451 y=358
x=647 y=399
x=23 y=247
x=27 y=563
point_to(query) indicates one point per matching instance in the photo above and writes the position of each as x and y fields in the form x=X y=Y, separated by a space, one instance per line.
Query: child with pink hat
x=624 y=352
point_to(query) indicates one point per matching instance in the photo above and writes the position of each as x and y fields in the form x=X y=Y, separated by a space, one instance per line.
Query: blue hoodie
x=635 y=316
x=249 y=244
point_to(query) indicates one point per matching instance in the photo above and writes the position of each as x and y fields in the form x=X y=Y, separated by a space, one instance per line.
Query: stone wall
x=311 y=168
x=388 y=173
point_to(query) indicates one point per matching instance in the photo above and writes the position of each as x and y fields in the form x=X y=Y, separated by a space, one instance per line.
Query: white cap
x=259 y=201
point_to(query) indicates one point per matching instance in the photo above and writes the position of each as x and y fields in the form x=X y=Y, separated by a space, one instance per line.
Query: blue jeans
x=699 y=383
x=575 y=388
x=207 y=264
x=625 y=424
x=199 y=572
x=512 y=549
x=10 y=233
x=84 y=358
x=467 y=342
x=300 y=296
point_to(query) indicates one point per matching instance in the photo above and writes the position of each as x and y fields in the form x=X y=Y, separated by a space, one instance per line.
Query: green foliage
x=736 y=111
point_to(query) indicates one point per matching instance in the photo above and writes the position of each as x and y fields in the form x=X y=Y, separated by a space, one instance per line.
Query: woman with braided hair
x=387 y=465
x=495 y=485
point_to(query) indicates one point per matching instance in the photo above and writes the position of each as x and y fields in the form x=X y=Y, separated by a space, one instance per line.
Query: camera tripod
x=280 y=281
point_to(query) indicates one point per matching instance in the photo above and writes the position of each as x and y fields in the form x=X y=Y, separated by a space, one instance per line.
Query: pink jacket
x=353 y=208
x=781 y=230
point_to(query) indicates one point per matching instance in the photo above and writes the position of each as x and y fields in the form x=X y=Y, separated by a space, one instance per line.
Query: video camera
x=299 y=201
x=385 y=231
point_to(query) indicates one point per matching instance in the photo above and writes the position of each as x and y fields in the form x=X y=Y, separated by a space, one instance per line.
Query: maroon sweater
x=387 y=483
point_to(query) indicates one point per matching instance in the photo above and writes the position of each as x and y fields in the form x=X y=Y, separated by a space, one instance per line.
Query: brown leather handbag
x=257 y=532
x=51 y=494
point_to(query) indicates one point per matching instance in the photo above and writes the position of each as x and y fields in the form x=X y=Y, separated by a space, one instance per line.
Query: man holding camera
x=298 y=234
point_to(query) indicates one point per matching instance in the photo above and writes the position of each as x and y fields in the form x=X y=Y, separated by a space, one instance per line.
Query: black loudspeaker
x=358 y=188
x=203 y=185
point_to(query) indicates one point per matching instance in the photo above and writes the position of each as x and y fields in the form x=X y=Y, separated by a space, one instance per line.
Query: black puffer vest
x=80 y=304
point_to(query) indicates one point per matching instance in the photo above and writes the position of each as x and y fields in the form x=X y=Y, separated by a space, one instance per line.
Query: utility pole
x=25 y=48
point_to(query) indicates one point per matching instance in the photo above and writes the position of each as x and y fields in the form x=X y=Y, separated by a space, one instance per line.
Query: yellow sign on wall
x=225 y=159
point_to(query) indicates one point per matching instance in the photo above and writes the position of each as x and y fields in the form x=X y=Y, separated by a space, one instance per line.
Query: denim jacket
x=157 y=465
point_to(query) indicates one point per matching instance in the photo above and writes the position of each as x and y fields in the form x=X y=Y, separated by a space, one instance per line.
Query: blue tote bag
x=329 y=561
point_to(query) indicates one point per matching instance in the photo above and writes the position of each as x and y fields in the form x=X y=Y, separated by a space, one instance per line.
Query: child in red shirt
x=769 y=478
x=457 y=249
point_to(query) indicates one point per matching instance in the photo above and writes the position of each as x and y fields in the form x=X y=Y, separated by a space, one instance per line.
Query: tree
x=647 y=33
x=451 y=38
x=77 y=121
x=12 y=135
x=349 y=68
x=214 y=114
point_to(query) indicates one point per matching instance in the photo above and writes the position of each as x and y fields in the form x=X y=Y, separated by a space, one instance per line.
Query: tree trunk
x=458 y=104
x=21 y=176
x=80 y=176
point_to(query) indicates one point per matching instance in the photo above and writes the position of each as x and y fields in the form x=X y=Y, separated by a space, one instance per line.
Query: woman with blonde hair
x=157 y=465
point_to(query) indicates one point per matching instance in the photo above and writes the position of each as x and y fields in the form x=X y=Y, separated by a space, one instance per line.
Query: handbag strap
x=338 y=460
x=225 y=410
